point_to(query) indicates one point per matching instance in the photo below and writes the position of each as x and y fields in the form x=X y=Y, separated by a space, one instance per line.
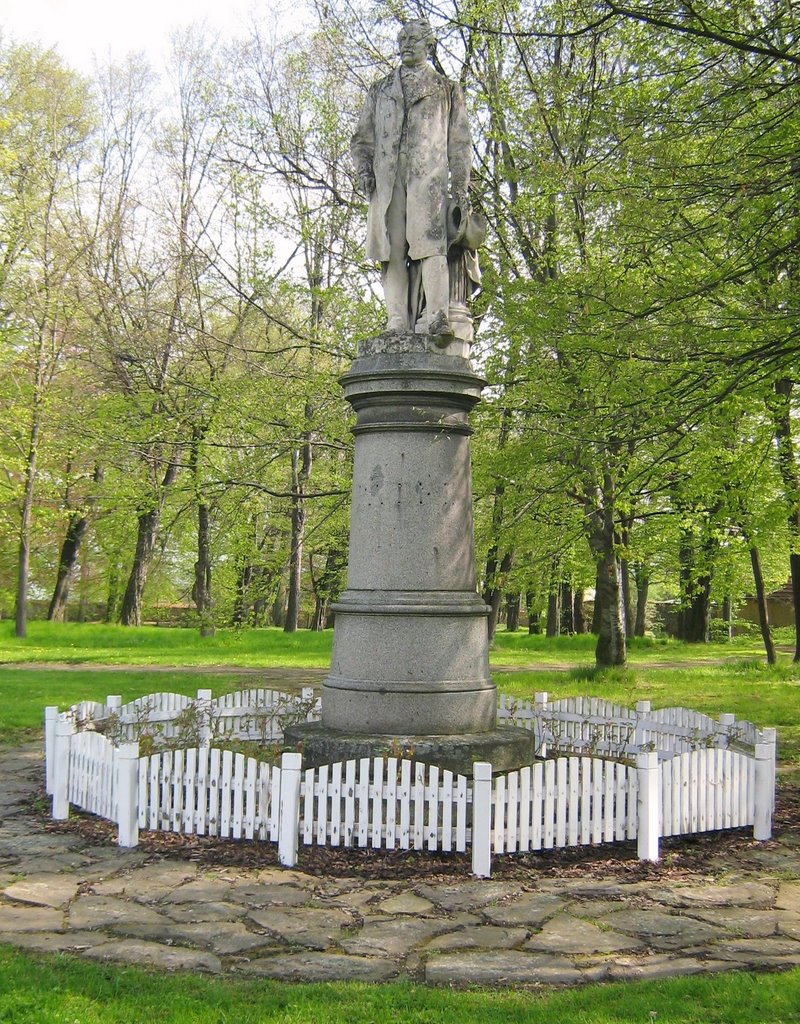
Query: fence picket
x=362 y=796
x=190 y=789
x=349 y=803
x=250 y=798
x=404 y=799
x=237 y=786
x=377 y=801
x=432 y=829
x=391 y=803
x=447 y=811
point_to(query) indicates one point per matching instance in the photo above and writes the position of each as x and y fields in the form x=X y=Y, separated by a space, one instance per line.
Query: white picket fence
x=591 y=725
x=567 y=800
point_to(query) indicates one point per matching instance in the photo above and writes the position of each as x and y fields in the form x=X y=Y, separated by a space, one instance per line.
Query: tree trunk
x=567 y=609
x=642 y=588
x=241 y=603
x=611 y=649
x=627 y=600
x=147 y=529
x=694 y=617
x=201 y=592
x=76 y=529
x=763 y=611
x=24 y=559
x=578 y=613
x=512 y=612
x=301 y=472
x=553 y=613
x=790 y=476
x=727 y=615
x=146 y=533
x=493 y=594
x=534 y=616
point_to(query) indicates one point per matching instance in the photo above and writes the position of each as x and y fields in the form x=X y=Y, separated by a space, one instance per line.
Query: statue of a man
x=412 y=152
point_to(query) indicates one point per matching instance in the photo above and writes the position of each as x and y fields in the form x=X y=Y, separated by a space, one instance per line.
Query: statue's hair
x=421 y=25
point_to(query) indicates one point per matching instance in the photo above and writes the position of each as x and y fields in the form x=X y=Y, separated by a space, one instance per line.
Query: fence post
x=289 y=809
x=647 y=771
x=128 y=794
x=726 y=724
x=65 y=729
x=764 y=784
x=114 y=702
x=540 y=705
x=204 y=717
x=643 y=709
x=307 y=701
x=50 y=719
x=482 y=819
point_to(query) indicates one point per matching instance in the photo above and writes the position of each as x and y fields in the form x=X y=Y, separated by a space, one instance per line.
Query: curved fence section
x=605 y=774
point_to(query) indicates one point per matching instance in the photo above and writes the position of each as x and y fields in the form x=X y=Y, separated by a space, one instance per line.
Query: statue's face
x=413 y=46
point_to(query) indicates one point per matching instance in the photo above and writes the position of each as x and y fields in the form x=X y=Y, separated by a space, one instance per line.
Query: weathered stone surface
x=321 y=967
x=740 y=920
x=565 y=934
x=610 y=889
x=393 y=937
x=655 y=926
x=596 y=908
x=43 y=890
x=55 y=942
x=201 y=890
x=256 y=894
x=153 y=954
x=317 y=929
x=469 y=895
x=500 y=968
x=485 y=936
x=148 y=883
x=204 y=911
x=101 y=911
x=789 y=924
x=661 y=965
x=30 y=919
x=224 y=938
x=758 y=951
x=745 y=894
x=788 y=897
x=531 y=910
x=405 y=903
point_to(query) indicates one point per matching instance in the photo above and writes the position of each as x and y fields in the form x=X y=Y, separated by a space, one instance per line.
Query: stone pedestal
x=410 y=649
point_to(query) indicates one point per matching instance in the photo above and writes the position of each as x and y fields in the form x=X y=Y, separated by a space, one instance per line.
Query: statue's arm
x=459 y=146
x=362 y=145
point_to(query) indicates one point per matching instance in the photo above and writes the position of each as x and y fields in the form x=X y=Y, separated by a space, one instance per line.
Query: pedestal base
x=505 y=749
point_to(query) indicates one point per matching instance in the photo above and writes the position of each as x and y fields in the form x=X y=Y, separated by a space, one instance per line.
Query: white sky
x=82 y=30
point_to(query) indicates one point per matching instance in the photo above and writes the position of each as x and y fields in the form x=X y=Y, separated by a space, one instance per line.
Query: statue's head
x=415 y=42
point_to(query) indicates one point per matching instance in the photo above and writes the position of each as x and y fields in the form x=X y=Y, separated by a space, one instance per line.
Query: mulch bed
x=702 y=853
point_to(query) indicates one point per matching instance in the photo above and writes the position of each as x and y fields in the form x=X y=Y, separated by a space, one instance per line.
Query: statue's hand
x=366 y=183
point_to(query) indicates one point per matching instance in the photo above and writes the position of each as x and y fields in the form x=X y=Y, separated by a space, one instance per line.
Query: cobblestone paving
x=61 y=892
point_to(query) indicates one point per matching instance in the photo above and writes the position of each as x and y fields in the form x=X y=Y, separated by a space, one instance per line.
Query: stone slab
x=394 y=937
x=43 y=890
x=55 y=942
x=500 y=968
x=505 y=748
x=92 y=912
x=405 y=903
x=469 y=895
x=265 y=894
x=788 y=897
x=187 y=912
x=321 y=967
x=745 y=894
x=741 y=920
x=484 y=936
x=530 y=910
x=153 y=954
x=316 y=929
x=16 y=918
x=566 y=934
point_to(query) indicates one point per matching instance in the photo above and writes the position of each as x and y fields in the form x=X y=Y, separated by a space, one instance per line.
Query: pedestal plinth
x=410 y=649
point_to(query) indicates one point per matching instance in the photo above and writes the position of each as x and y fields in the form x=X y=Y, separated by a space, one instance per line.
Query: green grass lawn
x=63 y=990
x=710 y=678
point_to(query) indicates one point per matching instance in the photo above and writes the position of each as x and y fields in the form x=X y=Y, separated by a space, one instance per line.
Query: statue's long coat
x=438 y=146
